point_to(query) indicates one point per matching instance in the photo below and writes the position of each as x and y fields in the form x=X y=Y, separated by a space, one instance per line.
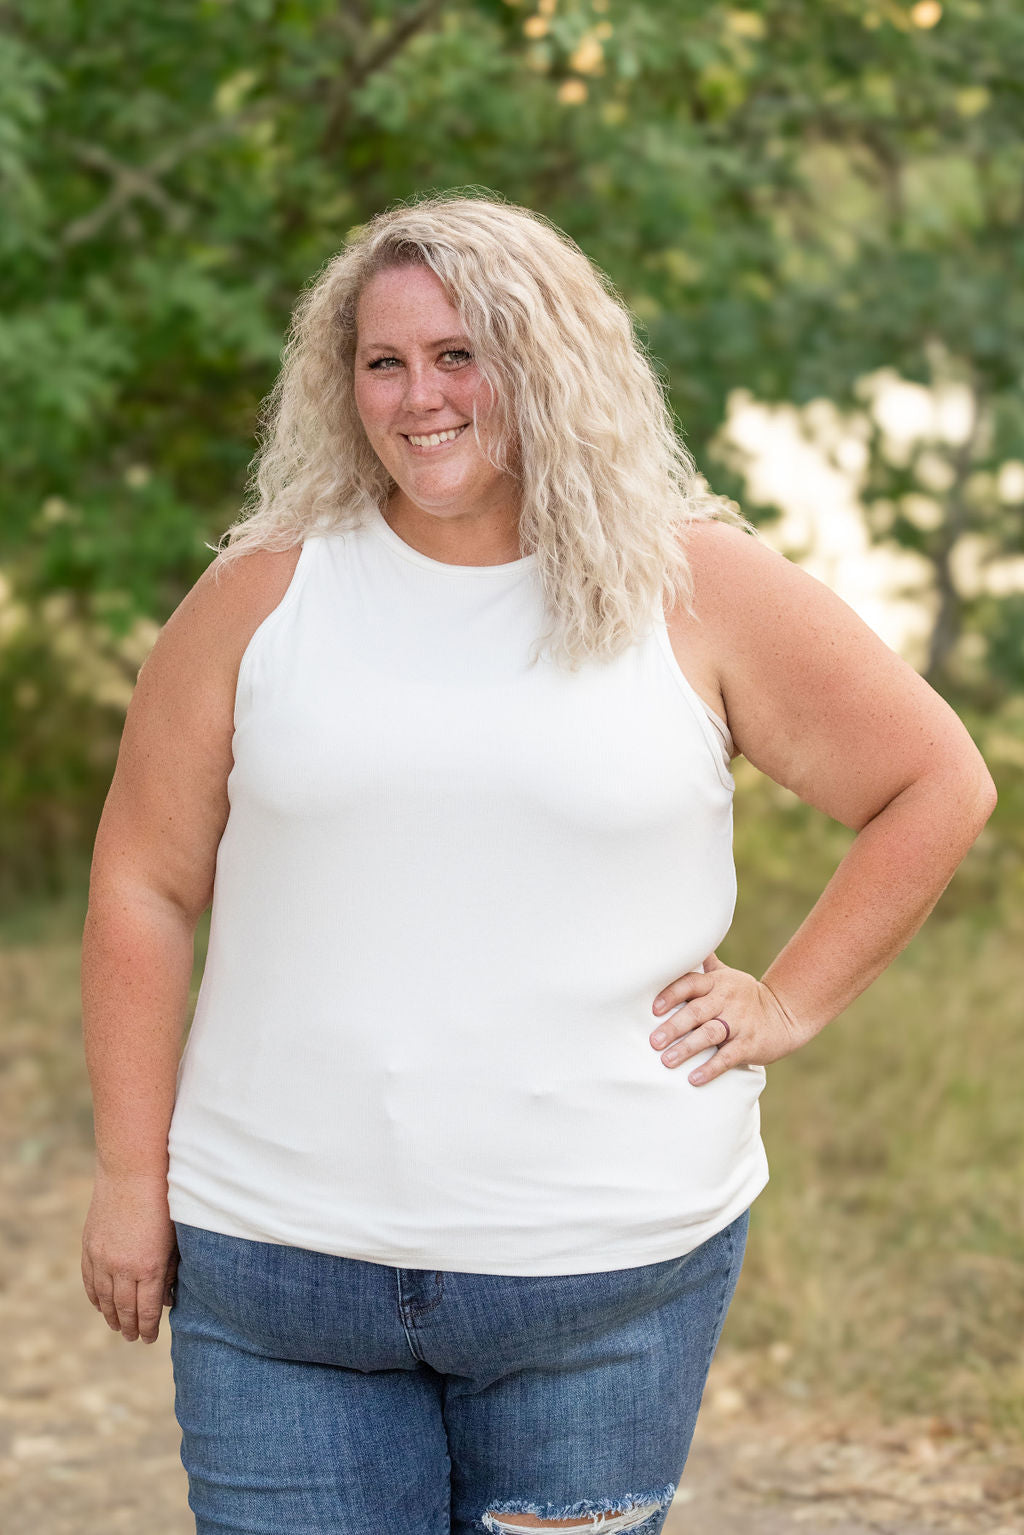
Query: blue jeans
x=320 y=1395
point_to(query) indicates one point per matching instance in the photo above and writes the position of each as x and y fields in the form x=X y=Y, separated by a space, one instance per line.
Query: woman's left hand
x=760 y=1029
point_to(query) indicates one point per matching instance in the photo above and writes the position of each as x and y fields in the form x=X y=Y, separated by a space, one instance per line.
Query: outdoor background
x=815 y=210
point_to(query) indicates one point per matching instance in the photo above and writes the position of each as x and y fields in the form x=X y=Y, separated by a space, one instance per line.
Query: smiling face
x=415 y=377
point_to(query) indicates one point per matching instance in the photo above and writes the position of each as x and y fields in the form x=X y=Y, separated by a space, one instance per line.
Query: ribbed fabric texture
x=449 y=888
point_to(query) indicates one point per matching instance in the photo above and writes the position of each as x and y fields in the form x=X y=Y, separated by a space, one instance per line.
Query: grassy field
x=886 y=1256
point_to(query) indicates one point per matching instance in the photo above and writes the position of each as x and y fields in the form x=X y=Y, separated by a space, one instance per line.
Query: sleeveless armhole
x=714 y=729
x=243 y=686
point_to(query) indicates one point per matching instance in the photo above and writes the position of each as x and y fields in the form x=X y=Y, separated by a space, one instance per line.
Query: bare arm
x=151 y=879
x=824 y=707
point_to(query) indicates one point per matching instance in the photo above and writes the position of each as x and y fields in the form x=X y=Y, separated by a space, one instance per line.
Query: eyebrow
x=388 y=346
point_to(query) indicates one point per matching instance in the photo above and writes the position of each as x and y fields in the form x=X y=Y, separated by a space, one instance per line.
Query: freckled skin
x=451 y=504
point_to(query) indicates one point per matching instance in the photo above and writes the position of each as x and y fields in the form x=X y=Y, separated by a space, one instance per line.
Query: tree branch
x=339 y=102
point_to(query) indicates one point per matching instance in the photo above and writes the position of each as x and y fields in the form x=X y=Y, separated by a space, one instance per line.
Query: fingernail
x=696 y=1077
x=659 y=1006
x=659 y=1038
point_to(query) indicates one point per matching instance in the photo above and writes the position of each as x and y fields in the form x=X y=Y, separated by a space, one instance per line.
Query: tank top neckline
x=378 y=523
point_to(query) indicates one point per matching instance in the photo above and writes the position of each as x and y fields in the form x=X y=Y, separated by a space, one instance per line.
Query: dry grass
x=886 y=1256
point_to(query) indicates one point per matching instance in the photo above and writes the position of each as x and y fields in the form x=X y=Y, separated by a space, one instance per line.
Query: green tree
x=791 y=195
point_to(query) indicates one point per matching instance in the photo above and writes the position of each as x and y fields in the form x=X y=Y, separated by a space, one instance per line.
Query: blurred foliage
x=791 y=195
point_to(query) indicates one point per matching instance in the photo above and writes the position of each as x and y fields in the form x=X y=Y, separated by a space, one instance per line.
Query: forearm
x=880 y=895
x=137 y=953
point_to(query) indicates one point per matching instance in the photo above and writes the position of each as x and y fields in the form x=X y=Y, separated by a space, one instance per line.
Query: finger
x=690 y=1017
x=701 y=1011
x=150 y=1306
x=127 y=1305
x=105 y=1299
x=713 y=963
x=692 y=984
x=714 y=1032
x=88 y=1281
x=724 y=1058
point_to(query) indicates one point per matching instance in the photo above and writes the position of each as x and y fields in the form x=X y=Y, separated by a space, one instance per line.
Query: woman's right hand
x=129 y=1253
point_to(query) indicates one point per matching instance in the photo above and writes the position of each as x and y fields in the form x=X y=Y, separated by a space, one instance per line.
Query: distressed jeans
x=319 y=1395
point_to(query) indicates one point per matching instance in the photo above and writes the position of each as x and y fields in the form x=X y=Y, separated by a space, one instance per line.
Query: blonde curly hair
x=606 y=485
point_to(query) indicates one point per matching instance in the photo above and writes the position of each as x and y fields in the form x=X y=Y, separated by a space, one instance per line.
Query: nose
x=422 y=389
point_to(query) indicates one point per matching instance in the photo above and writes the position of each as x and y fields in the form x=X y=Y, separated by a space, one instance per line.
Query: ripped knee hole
x=602 y=1522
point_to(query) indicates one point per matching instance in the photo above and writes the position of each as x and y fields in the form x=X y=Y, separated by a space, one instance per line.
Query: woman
x=449 y=1193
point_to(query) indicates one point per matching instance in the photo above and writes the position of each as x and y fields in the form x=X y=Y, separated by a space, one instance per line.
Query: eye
x=455 y=351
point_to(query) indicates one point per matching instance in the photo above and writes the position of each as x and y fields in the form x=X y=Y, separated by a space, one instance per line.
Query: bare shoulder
x=744 y=590
x=715 y=553
x=167 y=805
x=228 y=603
x=187 y=682
x=814 y=697
x=723 y=557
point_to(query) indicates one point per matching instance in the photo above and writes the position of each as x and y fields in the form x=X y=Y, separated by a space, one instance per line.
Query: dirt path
x=89 y=1443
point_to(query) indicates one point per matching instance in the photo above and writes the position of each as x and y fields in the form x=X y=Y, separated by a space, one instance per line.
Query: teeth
x=436 y=437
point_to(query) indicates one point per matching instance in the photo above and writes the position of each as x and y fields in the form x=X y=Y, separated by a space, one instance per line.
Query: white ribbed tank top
x=449 y=888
